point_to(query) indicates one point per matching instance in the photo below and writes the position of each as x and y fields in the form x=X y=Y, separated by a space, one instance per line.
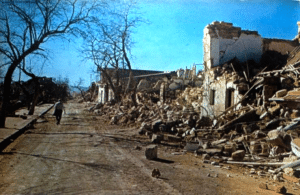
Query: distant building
x=106 y=94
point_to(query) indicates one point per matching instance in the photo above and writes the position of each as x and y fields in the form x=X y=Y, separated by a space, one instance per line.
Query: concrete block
x=151 y=152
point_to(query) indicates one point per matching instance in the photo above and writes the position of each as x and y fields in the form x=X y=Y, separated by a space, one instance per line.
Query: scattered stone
x=151 y=152
x=206 y=161
x=191 y=147
x=156 y=173
x=280 y=189
x=238 y=155
x=138 y=148
x=263 y=186
x=252 y=171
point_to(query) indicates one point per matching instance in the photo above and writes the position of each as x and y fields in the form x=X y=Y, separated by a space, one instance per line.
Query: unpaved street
x=85 y=155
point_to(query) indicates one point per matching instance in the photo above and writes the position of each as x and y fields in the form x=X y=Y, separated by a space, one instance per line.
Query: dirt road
x=85 y=155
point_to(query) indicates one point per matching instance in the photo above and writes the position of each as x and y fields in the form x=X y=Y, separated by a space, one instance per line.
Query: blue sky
x=173 y=39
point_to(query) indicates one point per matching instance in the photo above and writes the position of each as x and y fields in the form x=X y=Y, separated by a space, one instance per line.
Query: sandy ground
x=86 y=155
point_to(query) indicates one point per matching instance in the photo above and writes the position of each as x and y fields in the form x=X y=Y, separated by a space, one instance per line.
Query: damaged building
x=143 y=79
x=243 y=108
x=232 y=56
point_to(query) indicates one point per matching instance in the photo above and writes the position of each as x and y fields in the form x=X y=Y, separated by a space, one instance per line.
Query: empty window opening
x=229 y=98
x=212 y=95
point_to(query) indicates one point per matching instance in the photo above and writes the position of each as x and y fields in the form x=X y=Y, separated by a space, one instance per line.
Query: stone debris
x=241 y=112
x=280 y=189
x=137 y=147
x=263 y=186
x=151 y=152
x=155 y=173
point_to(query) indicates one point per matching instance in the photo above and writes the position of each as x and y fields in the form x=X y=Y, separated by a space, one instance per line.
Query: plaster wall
x=221 y=85
x=101 y=94
x=223 y=42
x=245 y=47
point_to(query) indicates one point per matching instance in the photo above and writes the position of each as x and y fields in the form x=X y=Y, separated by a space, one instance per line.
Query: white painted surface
x=245 y=47
x=101 y=94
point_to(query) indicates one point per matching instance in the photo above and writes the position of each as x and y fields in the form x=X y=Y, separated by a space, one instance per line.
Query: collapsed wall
x=223 y=42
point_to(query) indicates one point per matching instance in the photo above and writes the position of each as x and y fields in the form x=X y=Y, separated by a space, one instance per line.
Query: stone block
x=263 y=186
x=275 y=139
x=238 y=155
x=151 y=152
x=191 y=147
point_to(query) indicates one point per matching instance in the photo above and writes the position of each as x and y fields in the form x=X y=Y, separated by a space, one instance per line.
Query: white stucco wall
x=219 y=50
x=101 y=93
x=246 y=47
x=220 y=85
x=110 y=95
x=223 y=42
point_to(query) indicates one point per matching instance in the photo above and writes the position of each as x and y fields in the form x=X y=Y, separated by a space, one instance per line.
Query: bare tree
x=79 y=87
x=26 y=26
x=110 y=48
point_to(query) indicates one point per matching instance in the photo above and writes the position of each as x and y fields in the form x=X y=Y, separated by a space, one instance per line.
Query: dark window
x=229 y=98
x=212 y=94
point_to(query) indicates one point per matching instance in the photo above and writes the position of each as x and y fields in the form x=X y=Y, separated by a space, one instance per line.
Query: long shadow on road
x=92 y=165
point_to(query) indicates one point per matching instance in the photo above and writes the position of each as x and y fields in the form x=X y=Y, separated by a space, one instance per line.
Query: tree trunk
x=35 y=97
x=6 y=93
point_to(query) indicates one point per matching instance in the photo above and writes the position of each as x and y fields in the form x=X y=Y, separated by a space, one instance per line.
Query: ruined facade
x=219 y=92
x=222 y=43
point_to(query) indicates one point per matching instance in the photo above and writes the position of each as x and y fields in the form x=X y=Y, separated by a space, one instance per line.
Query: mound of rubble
x=262 y=129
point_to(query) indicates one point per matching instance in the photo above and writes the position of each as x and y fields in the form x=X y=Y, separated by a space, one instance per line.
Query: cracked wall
x=223 y=42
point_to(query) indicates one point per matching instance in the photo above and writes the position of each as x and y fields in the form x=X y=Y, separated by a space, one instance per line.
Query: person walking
x=58 y=109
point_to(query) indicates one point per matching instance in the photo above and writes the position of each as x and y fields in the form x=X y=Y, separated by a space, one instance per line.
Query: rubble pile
x=260 y=129
x=90 y=95
x=154 y=115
